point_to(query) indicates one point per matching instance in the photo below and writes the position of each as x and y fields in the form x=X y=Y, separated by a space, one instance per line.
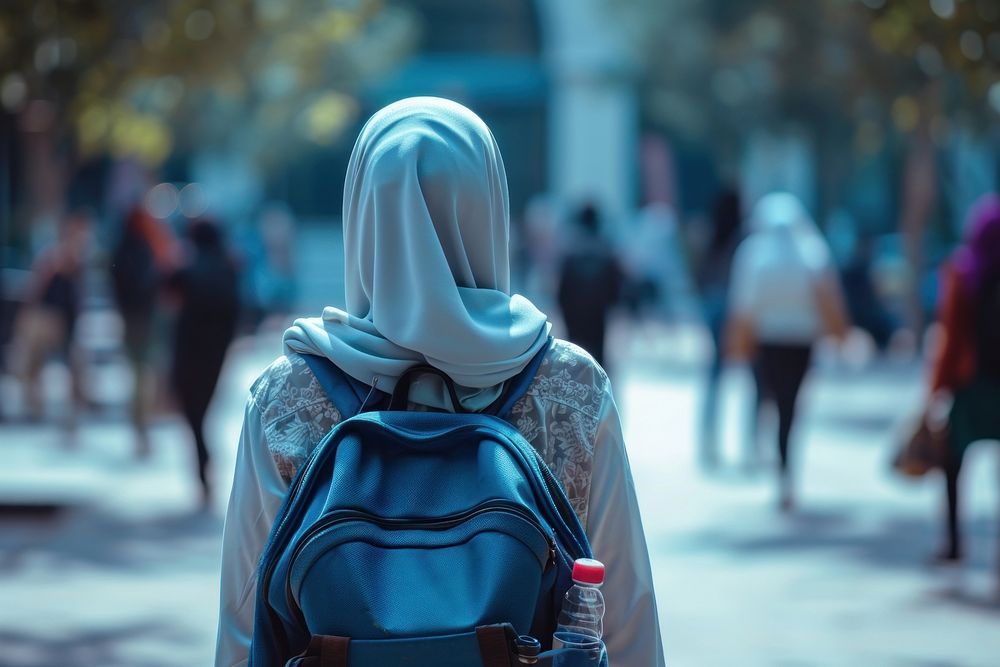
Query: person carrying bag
x=966 y=365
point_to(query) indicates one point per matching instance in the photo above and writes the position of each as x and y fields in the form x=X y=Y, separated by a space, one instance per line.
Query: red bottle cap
x=588 y=571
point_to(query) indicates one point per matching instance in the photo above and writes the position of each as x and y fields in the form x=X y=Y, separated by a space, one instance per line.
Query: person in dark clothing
x=207 y=288
x=864 y=306
x=140 y=262
x=967 y=364
x=713 y=283
x=590 y=283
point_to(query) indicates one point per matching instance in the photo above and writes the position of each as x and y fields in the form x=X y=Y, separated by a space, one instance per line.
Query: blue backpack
x=416 y=538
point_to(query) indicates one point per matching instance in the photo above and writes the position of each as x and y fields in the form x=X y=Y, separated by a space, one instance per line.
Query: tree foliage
x=715 y=68
x=147 y=78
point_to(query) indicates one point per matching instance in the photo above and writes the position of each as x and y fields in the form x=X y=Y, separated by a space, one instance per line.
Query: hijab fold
x=427 y=272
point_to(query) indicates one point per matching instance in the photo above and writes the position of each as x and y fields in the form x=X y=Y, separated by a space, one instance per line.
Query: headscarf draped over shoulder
x=426 y=243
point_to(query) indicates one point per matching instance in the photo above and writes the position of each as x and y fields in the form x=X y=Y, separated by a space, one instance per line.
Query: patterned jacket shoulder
x=294 y=410
x=558 y=414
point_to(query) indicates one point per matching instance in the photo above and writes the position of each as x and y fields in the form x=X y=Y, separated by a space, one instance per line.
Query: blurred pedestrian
x=659 y=283
x=713 y=283
x=140 y=262
x=785 y=295
x=866 y=308
x=541 y=248
x=47 y=323
x=966 y=367
x=590 y=282
x=207 y=289
x=272 y=272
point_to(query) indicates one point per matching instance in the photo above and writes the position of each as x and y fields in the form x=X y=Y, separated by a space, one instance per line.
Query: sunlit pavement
x=126 y=573
x=843 y=580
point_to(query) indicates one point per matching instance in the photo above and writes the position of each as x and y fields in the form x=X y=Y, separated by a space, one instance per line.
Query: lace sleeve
x=559 y=416
x=295 y=411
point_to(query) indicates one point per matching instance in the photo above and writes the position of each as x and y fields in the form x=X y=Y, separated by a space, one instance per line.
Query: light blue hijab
x=786 y=230
x=426 y=236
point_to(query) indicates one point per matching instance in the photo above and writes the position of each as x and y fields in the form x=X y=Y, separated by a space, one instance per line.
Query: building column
x=593 y=111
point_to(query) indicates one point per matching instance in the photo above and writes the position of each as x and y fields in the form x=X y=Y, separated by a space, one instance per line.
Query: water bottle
x=581 y=620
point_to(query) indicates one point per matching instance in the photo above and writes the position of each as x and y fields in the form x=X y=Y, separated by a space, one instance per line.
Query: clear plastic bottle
x=581 y=620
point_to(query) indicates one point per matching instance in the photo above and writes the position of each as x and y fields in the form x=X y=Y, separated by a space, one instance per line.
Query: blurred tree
x=854 y=75
x=716 y=68
x=947 y=56
x=147 y=79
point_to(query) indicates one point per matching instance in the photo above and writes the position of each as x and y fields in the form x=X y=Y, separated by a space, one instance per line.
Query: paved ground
x=126 y=576
x=843 y=581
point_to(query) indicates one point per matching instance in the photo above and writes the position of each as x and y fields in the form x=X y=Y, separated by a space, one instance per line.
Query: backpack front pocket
x=367 y=577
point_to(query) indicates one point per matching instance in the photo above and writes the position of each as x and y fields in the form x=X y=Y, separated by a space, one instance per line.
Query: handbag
x=922 y=450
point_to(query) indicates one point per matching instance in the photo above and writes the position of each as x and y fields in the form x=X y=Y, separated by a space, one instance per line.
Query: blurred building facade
x=880 y=116
x=552 y=78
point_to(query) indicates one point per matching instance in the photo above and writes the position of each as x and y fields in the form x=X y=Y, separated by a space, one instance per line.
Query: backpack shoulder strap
x=518 y=385
x=348 y=394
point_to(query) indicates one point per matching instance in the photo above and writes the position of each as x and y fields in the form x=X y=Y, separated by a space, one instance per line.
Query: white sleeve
x=614 y=527
x=258 y=492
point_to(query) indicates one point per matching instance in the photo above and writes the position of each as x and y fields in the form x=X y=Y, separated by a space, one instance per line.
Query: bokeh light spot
x=994 y=96
x=338 y=25
x=162 y=200
x=929 y=59
x=92 y=127
x=327 y=117
x=943 y=8
x=971 y=44
x=13 y=92
x=193 y=200
x=199 y=24
x=142 y=136
x=47 y=55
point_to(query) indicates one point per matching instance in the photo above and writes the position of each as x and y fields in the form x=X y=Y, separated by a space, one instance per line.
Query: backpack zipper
x=404 y=523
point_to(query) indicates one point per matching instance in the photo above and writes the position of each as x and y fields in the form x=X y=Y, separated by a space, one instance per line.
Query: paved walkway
x=126 y=575
x=843 y=581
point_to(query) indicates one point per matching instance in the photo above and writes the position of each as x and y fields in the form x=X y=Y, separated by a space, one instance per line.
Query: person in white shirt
x=426 y=233
x=784 y=296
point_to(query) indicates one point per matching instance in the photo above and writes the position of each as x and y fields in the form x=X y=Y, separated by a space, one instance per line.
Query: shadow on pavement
x=91 y=537
x=959 y=596
x=873 y=424
x=893 y=542
x=96 y=648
